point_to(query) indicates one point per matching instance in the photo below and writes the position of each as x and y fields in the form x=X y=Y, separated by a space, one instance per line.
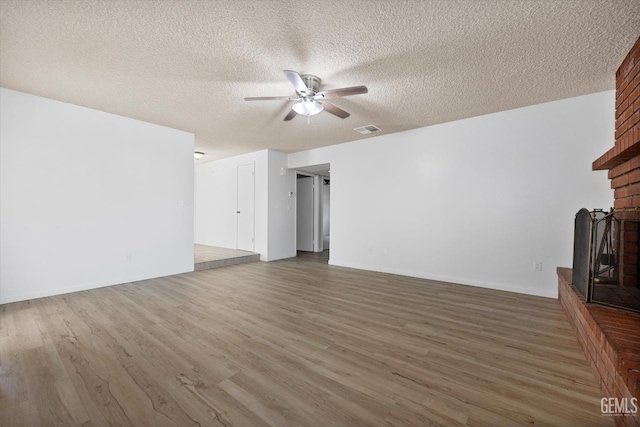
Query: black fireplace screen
x=581 y=252
x=596 y=257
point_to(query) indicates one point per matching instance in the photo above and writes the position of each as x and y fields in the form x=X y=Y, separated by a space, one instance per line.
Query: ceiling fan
x=311 y=100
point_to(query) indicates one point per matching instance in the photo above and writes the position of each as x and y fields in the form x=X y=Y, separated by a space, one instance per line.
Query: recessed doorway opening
x=313 y=201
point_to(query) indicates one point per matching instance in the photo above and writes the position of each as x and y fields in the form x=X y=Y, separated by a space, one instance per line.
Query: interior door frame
x=317 y=212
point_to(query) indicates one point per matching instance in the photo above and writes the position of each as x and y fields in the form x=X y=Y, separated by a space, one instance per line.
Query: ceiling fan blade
x=272 y=98
x=290 y=116
x=345 y=91
x=296 y=81
x=335 y=110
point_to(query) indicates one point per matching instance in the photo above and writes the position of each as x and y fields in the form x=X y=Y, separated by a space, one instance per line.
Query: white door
x=304 y=213
x=245 y=208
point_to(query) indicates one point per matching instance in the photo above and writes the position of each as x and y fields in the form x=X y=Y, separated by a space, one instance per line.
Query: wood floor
x=204 y=253
x=206 y=257
x=292 y=343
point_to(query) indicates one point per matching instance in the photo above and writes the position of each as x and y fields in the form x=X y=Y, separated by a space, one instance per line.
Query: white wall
x=89 y=199
x=216 y=195
x=475 y=201
x=281 y=215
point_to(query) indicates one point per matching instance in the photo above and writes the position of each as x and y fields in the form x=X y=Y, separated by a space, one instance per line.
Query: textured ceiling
x=188 y=64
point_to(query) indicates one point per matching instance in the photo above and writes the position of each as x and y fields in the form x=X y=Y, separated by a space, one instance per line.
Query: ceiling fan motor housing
x=312 y=82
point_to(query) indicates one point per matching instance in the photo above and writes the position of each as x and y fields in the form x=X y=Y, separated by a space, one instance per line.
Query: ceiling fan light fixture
x=308 y=97
x=307 y=107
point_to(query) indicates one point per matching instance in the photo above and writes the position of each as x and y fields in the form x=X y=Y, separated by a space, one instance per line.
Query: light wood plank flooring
x=206 y=257
x=292 y=343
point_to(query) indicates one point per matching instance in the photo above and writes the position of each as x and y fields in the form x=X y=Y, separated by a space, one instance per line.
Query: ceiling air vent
x=365 y=130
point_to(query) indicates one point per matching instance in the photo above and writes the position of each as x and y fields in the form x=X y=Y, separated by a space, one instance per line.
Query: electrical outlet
x=127 y=257
x=537 y=266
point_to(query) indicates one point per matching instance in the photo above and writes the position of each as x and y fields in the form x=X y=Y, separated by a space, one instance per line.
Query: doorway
x=325 y=209
x=305 y=205
x=313 y=210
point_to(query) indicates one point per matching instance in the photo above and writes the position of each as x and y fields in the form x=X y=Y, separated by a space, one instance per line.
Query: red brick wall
x=623 y=163
x=628 y=100
x=623 y=168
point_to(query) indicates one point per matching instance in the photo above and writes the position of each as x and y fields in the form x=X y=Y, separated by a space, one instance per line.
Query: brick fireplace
x=610 y=337
x=623 y=164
